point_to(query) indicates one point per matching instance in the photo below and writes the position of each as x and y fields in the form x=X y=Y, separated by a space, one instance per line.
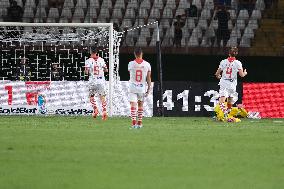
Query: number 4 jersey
x=96 y=69
x=138 y=70
x=230 y=68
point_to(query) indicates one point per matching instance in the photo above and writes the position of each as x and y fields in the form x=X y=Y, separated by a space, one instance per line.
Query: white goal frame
x=111 y=46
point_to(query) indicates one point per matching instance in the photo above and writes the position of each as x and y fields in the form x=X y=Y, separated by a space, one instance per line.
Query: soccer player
x=95 y=67
x=140 y=74
x=229 y=68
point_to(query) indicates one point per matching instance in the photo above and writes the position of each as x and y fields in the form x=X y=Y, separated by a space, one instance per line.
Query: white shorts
x=225 y=92
x=134 y=97
x=97 y=89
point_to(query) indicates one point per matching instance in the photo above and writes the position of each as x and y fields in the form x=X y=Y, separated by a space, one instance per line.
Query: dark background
x=180 y=67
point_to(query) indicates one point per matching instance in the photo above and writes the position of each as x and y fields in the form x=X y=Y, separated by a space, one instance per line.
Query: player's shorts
x=97 y=89
x=227 y=92
x=134 y=97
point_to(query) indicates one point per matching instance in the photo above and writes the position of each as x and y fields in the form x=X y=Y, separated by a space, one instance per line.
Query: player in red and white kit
x=229 y=68
x=139 y=86
x=95 y=67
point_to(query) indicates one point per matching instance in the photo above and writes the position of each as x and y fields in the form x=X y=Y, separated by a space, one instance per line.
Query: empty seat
x=91 y=13
x=248 y=32
x=243 y=14
x=202 y=24
x=240 y=24
x=145 y=32
x=170 y=4
x=30 y=3
x=77 y=20
x=210 y=33
x=236 y=33
x=150 y=23
x=253 y=24
x=205 y=14
x=164 y=23
x=197 y=3
x=104 y=13
x=143 y=13
x=28 y=12
x=232 y=42
x=183 y=4
x=106 y=4
x=193 y=41
x=230 y=25
x=94 y=4
x=197 y=32
x=259 y=5
x=119 y=4
x=158 y=4
x=81 y=4
x=68 y=4
x=154 y=13
x=43 y=3
x=141 y=42
x=139 y=22
x=66 y=13
x=79 y=13
x=126 y=23
x=53 y=13
x=50 y=20
x=20 y=3
x=133 y=33
x=132 y=4
x=63 y=20
x=190 y=23
x=245 y=42
x=170 y=32
x=185 y=33
x=167 y=42
x=206 y=42
x=256 y=14
x=180 y=12
x=117 y=13
x=101 y=20
x=129 y=13
x=41 y=13
x=153 y=41
x=167 y=13
x=146 y=4
x=214 y=24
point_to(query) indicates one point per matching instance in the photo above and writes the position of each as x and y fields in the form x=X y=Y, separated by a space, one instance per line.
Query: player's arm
x=242 y=72
x=105 y=68
x=87 y=70
x=218 y=73
x=148 y=79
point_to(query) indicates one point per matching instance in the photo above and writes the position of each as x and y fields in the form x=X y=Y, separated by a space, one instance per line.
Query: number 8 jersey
x=138 y=70
x=96 y=69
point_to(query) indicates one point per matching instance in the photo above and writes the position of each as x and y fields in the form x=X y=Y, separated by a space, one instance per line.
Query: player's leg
x=133 y=108
x=94 y=105
x=140 y=110
x=222 y=99
x=104 y=104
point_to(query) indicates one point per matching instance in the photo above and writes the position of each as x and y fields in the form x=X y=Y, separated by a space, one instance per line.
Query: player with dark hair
x=229 y=68
x=95 y=67
x=140 y=74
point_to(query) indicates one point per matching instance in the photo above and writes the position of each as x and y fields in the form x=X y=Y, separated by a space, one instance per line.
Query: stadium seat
x=117 y=13
x=150 y=21
x=63 y=20
x=170 y=4
x=141 y=41
x=185 y=33
x=183 y=4
x=91 y=14
x=210 y=33
x=202 y=24
x=3 y=12
x=180 y=12
x=233 y=14
x=253 y=24
x=170 y=32
x=167 y=42
x=206 y=42
x=38 y=20
x=245 y=42
x=40 y=13
x=153 y=41
x=158 y=4
x=205 y=14
x=234 y=4
x=20 y=3
x=154 y=13
x=143 y=13
x=30 y=3
x=101 y=20
x=193 y=41
x=256 y=14
x=129 y=41
x=42 y=3
x=167 y=13
x=50 y=20
x=240 y=24
x=214 y=24
x=164 y=23
x=146 y=4
x=66 y=13
x=77 y=20
x=133 y=33
x=94 y=4
x=248 y=32
x=197 y=32
x=259 y=5
x=126 y=23
x=236 y=33
x=133 y=4
x=104 y=13
x=28 y=12
x=232 y=42
x=68 y=4
x=144 y=31
x=53 y=13
x=190 y=23
x=4 y=3
x=230 y=25
x=209 y=4
x=79 y=13
x=243 y=14
x=119 y=4
x=81 y=4
x=139 y=22
x=129 y=13
x=106 y=4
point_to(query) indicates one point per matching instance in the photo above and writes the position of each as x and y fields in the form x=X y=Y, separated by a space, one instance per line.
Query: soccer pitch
x=167 y=153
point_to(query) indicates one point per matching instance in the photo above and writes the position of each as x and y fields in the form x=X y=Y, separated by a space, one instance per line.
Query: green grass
x=168 y=153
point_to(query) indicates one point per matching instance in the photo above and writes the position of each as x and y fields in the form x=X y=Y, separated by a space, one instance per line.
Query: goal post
x=57 y=37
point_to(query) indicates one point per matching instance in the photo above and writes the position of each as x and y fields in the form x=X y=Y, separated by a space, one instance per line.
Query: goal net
x=65 y=45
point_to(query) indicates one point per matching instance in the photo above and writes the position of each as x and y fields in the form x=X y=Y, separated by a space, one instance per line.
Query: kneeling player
x=95 y=67
x=140 y=74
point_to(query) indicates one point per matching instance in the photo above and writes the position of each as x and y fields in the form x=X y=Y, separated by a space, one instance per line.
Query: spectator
x=178 y=25
x=222 y=31
x=15 y=12
x=192 y=10
x=56 y=74
x=24 y=73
